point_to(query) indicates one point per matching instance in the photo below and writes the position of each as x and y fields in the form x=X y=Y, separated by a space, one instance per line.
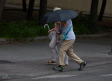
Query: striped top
x=57 y=29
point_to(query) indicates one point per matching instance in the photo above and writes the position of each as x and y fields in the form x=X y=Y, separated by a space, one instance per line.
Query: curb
x=5 y=41
x=94 y=35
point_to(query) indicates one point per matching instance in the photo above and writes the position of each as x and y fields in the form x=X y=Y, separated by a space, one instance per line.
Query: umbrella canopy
x=58 y=15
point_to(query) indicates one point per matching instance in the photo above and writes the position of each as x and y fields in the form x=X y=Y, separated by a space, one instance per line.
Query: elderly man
x=67 y=47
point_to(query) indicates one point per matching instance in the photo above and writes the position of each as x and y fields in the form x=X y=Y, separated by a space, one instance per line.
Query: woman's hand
x=51 y=30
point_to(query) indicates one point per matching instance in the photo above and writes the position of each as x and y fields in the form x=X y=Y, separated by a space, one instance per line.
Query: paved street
x=95 y=73
x=27 y=62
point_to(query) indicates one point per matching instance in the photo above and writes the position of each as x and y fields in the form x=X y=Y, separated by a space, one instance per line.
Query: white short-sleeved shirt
x=71 y=34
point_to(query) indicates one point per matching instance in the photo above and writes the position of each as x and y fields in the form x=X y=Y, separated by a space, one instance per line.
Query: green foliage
x=24 y=29
x=30 y=29
x=82 y=24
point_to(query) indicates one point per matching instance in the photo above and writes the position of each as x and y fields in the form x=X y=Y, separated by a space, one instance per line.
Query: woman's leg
x=52 y=46
x=66 y=59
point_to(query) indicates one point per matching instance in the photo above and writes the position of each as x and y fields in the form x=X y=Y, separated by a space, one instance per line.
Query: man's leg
x=66 y=56
x=76 y=58
x=73 y=56
x=63 y=49
x=67 y=46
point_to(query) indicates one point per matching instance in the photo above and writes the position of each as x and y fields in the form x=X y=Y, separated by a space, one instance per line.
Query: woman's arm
x=51 y=30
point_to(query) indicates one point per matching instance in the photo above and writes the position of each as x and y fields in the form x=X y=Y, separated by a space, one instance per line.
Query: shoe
x=59 y=68
x=82 y=65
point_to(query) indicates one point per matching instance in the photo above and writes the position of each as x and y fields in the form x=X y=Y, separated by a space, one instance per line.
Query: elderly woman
x=55 y=41
x=67 y=47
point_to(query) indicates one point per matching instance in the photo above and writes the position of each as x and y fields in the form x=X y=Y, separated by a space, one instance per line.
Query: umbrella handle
x=47 y=26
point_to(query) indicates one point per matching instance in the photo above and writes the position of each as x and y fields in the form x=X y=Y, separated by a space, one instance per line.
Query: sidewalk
x=5 y=41
x=28 y=60
x=13 y=6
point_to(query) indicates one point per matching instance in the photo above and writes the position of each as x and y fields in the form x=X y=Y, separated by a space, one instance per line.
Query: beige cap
x=56 y=8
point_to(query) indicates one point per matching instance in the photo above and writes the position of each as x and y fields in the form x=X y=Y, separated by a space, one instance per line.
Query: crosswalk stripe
x=55 y=76
x=107 y=75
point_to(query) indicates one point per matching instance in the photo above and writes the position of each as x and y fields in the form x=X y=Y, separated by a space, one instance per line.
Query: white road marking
x=55 y=76
x=107 y=75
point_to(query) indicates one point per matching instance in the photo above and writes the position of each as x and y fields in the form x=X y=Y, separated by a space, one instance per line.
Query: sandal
x=51 y=62
x=66 y=65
